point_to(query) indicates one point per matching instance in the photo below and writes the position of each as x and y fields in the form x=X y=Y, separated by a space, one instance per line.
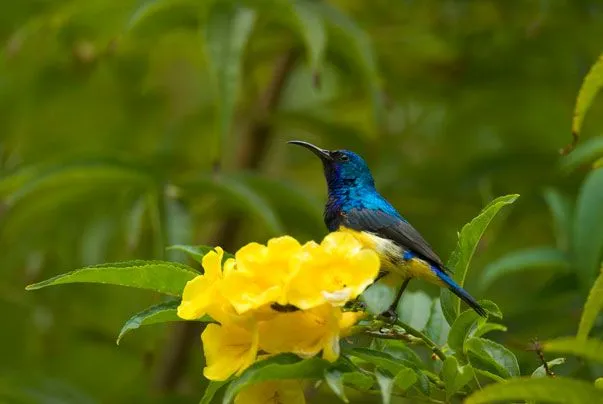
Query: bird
x=355 y=206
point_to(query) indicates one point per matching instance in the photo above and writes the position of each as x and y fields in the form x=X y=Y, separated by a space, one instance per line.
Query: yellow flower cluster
x=251 y=297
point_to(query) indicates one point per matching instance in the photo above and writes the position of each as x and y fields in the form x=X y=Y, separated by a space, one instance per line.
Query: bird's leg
x=390 y=314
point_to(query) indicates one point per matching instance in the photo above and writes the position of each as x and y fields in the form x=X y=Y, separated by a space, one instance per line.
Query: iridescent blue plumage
x=355 y=205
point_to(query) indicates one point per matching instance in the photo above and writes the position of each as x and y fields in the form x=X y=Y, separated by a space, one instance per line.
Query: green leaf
x=599 y=383
x=405 y=379
x=592 y=308
x=358 y=380
x=550 y=390
x=589 y=349
x=236 y=193
x=334 y=379
x=380 y=295
x=492 y=355
x=160 y=276
x=211 y=390
x=311 y=26
x=489 y=375
x=414 y=308
x=492 y=309
x=195 y=252
x=587 y=235
x=226 y=33
x=437 y=327
x=386 y=385
x=460 y=258
x=485 y=328
x=398 y=350
x=585 y=153
x=381 y=359
x=561 y=208
x=357 y=48
x=92 y=173
x=286 y=198
x=590 y=87
x=146 y=8
x=541 y=372
x=461 y=330
x=159 y=313
x=280 y=367
x=541 y=258
x=455 y=377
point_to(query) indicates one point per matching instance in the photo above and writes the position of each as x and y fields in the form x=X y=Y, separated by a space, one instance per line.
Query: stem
x=410 y=334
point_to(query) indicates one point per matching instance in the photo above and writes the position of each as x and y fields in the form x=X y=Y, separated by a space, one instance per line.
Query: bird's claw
x=389 y=316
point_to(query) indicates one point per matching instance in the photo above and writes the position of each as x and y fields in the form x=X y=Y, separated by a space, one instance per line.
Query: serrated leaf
x=492 y=309
x=279 y=367
x=334 y=379
x=493 y=355
x=236 y=193
x=550 y=390
x=386 y=385
x=591 y=349
x=405 y=379
x=160 y=276
x=211 y=390
x=587 y=234
x=485 y=328
x=461 y=330
x=460 y=258
x=590 y=87
x=226 y=33
x=584 y=154
x=541 y=258
x=561 y=208
x=541 y=372
x=455 y=377
x=437 y=327
x=592 y=308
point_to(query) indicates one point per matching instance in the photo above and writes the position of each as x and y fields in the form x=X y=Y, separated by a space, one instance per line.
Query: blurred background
x=129 y=126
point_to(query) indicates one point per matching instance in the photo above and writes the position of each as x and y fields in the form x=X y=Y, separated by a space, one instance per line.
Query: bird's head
x=342 y=168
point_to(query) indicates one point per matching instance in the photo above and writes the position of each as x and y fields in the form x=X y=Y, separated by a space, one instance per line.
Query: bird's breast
x=393 y=257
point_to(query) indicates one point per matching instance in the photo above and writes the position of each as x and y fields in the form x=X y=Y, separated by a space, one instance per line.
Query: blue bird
x=355 y=206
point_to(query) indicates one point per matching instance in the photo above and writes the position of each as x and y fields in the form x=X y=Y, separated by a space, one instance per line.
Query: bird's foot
x=389 y=316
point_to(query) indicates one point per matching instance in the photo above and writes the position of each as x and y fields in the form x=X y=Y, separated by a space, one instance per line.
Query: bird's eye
x=339 y=156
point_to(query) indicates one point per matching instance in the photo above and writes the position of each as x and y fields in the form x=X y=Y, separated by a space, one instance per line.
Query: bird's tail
x=459 y=291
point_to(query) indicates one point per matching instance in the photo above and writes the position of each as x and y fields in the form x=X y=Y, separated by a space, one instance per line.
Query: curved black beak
x=322 y=154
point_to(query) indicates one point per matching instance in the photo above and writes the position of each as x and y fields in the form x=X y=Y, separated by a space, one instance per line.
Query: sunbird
x=355 y=206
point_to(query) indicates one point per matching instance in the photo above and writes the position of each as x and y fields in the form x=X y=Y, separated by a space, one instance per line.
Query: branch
x=409 y=334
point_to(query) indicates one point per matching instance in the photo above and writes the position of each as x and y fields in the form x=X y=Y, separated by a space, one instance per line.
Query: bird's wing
x=393 y=228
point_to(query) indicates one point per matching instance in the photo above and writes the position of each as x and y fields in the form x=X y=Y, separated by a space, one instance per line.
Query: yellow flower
x=336 y=271
x=304 y=332
x=200 y=292
x=228 y=349
x=272 y=392
x=261 y=274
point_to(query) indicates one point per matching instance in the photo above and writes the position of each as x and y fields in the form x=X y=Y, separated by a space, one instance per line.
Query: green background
x=114 y=145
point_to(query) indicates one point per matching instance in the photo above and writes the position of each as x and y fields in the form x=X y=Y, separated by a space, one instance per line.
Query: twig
x=537 y=348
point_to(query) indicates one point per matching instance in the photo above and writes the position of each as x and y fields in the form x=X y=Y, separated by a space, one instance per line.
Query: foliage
x=129 y=127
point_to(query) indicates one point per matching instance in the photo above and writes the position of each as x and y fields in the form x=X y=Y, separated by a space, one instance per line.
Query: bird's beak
x=322 y=154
